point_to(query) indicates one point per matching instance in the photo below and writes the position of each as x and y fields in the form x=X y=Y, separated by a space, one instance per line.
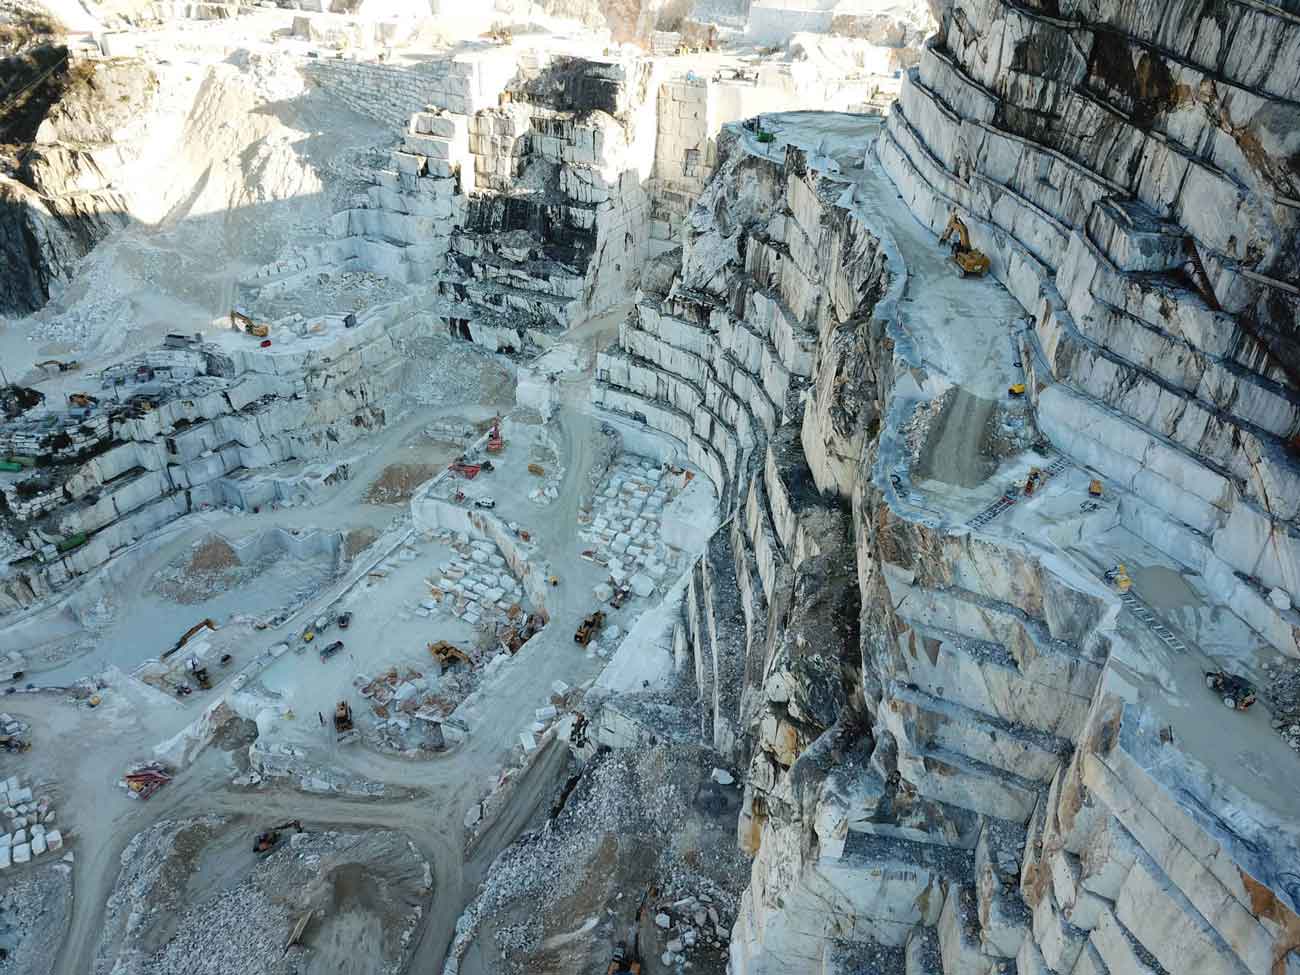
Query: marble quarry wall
x=1135 y=185
x=958 y=759
x=519 y=191
x=186 y=436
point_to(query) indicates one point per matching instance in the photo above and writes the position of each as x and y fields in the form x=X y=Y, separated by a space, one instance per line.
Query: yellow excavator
x=968 y=260
x=447 y=654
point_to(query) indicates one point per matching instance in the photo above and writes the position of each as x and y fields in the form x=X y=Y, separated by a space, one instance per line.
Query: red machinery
x=467 y=471
x=144 y=780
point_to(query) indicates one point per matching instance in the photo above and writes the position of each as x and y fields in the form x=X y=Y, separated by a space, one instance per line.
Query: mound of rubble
x=362 y=891
x=628 y=848
x=35 y=905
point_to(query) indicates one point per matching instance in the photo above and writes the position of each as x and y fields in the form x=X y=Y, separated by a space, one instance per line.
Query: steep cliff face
x=967 y=752
x=59 y=200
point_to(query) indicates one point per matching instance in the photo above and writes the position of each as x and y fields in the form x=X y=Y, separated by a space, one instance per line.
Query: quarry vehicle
x=269 y=839
x=13 y=743
x=242 y=323
x=68 y=366
x=624 y=962
x=589 y=627
x=620 y=596
x=330 y=650
x=537 y=469
x=447 y=654
x=142 y=781
x=485 y=502
x=1238 y=693
x=342 y=717
x=200 y=675
x=1119 y=578
x=185 y=637
x=82 y=400
x=968 y=260
x=467 y=471
x=308 y=634
x=345 y=620
x=72 y=541
x=495 y=444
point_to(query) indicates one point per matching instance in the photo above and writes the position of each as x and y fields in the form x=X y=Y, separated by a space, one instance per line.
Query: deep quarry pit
x=732 y=487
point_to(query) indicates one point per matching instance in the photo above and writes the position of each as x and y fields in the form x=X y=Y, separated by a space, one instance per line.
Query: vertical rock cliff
x=967 y=751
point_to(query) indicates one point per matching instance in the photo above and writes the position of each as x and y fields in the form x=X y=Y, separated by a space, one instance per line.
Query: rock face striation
x=967 y=752
x=59 y=200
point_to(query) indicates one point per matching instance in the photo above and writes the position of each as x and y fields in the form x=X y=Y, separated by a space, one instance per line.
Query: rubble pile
x=247 y=923
x=1283 y=697
x=692 y=925
x=622 y=825
x=35 y=906
x=31 y=834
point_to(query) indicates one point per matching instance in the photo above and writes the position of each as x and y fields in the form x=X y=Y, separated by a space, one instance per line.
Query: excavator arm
x=958 y=226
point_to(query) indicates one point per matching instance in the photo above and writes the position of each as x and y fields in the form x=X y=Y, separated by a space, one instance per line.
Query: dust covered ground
x=34 y=908
x=214 y=567
x=193 y=897
x=640 y=828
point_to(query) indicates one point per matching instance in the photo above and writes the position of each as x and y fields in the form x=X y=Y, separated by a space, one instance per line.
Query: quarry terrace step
x=959 y=780
x=1018 y=749
x=948 y=863
x=1043 y=692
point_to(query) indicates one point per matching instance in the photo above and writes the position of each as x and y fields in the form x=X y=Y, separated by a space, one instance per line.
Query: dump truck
x=447 y=654
x=968 y=260
x=342 y=717
x=242 y=323
x=589 y=627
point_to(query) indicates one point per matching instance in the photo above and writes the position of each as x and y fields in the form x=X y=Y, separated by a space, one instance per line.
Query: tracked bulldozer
x=969 y=261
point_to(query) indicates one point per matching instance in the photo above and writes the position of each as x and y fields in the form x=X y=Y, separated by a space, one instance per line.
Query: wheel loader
x=589 y=627
x=971 y=262
x=342 y=717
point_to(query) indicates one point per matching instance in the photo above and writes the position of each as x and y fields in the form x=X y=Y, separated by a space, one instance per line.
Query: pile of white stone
x=29 y=820
x=625 y=523
x=689 y=923
x=476 y=587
